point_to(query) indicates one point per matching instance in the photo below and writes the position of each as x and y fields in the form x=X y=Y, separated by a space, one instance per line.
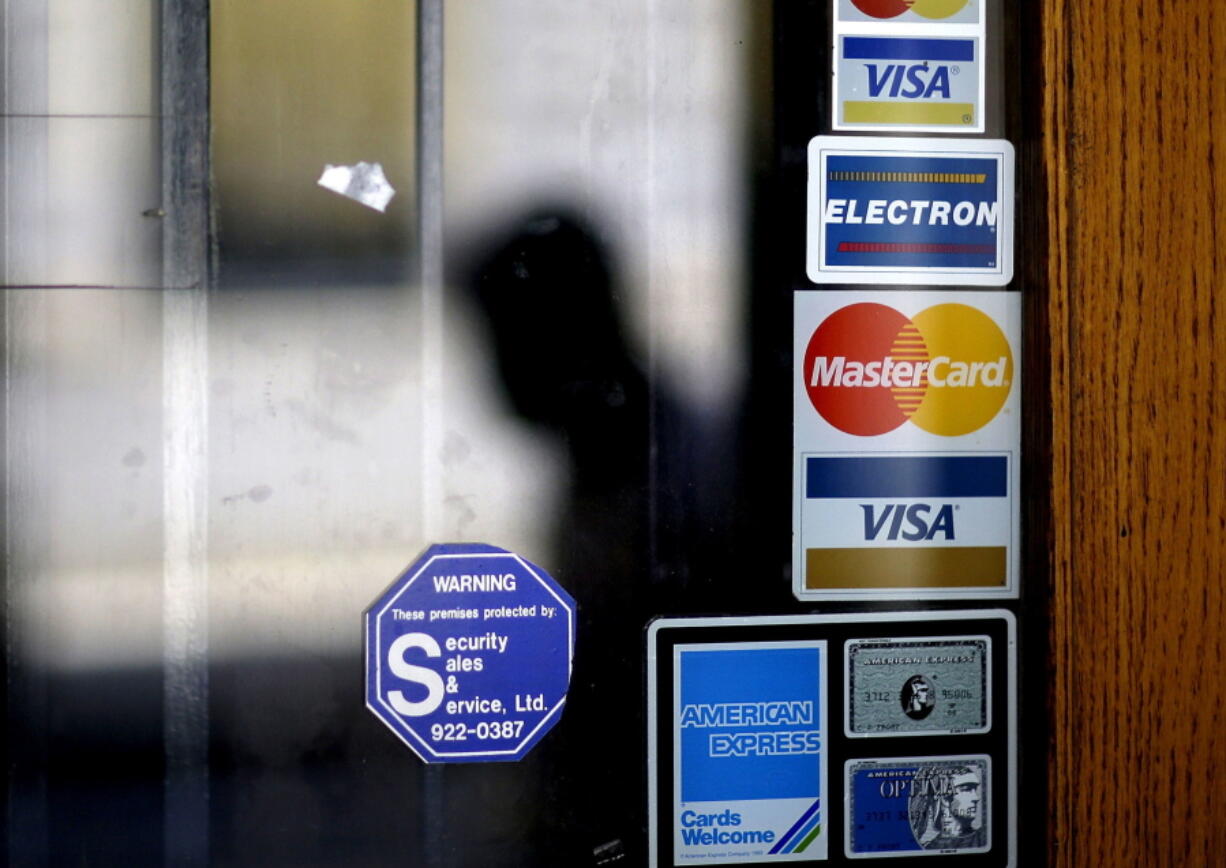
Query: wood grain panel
x=1133 y=120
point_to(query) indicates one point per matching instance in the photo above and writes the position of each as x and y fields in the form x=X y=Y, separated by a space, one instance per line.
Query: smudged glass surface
x=204 y=489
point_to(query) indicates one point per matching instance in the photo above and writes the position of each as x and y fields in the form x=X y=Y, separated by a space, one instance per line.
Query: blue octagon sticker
x=468 y=654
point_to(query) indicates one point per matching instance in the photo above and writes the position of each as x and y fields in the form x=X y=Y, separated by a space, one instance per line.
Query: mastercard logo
x=935 y=9
x=868 y=369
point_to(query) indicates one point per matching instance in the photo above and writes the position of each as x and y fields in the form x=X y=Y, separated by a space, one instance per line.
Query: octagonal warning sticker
x=468 y=654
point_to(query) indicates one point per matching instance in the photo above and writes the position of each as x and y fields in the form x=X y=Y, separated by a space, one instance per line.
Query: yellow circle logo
x=934 y=9
x=937 y=8
x=970 y=370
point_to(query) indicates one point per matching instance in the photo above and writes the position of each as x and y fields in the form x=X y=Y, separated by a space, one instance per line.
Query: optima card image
x=907 y=434
x=910 y=211
x=749 y=735
x=925 y=806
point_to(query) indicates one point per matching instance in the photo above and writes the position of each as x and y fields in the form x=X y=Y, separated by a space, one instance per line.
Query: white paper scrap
x=363 y=182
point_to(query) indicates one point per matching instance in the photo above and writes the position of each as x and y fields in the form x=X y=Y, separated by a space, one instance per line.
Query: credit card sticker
x=913 y=211
x=909 y=12
x=749 y=746
x=918 y=806
x=908 y=83
x=937 y=686
x=906 y=436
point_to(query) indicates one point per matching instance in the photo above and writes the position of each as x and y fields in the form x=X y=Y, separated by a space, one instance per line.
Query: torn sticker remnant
x=364 y=183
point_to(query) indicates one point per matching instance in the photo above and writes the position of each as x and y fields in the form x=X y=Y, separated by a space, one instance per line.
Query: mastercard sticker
x=907 y=436
x=909 y=11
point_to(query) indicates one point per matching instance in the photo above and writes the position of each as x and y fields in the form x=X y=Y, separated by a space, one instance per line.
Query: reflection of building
x=343 y=424
x=298 y=85
x=635 y=113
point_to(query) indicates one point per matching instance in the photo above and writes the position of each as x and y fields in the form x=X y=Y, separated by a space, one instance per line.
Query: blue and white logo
x=915 y=211
x=933 y=521
x=906 y=83
x=750 y=752
x=468 y=654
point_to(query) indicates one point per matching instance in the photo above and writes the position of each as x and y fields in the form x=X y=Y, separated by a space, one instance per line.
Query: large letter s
x=428 y=678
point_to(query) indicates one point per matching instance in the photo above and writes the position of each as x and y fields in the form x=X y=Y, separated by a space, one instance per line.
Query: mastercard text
x=940 y=372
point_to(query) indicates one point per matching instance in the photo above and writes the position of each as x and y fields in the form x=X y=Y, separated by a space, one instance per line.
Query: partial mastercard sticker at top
x=909 y=11
x=907 y=437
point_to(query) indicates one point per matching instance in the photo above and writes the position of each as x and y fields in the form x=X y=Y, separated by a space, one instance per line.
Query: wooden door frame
x=1131 y=108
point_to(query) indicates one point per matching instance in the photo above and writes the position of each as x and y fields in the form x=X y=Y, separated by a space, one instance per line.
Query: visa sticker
x=913 y=211
x=927 y=521
x=908 y=83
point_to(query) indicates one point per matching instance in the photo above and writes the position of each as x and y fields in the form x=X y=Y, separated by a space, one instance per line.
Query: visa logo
x=911 y=523
x=914 y=81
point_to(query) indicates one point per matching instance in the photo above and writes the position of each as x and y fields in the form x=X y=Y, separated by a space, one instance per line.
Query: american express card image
x=937 y=686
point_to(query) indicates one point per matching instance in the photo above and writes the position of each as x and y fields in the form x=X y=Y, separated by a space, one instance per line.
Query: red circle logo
x=864 y=334
x=882 y=8
x=933 y=9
